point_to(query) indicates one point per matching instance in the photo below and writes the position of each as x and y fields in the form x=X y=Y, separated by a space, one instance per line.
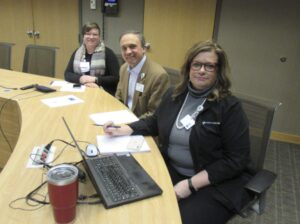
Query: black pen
x=109 y=126
x=28 y=87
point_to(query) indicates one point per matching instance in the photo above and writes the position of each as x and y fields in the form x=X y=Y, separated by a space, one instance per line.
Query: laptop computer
x=117 y=179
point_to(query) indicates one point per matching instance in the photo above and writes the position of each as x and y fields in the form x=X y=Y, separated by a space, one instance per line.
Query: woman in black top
x=93 y=64
x=203 y=135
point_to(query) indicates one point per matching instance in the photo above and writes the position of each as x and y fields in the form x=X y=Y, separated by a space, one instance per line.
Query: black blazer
x=219 y=143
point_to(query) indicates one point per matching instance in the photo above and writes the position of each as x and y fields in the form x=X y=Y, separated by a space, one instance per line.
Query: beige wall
x=256 y=35
x=173 y=26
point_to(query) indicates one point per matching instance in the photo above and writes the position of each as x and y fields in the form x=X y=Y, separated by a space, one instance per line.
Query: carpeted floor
x=283 y=198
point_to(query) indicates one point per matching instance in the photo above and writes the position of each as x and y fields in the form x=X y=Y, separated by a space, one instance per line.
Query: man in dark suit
x=142 y=81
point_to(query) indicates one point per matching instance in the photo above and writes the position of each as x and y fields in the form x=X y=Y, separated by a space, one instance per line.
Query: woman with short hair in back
x=93 y=64
x=203 y=135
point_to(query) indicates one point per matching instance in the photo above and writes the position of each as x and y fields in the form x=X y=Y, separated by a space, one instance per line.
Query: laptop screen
x=73 y=138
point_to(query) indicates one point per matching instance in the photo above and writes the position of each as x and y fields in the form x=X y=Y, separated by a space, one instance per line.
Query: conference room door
x=50 y=23
x=173 y=26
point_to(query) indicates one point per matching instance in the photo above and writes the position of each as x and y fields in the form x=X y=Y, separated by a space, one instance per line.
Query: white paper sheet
x=119 y=144
x=118 y=117
x=62 y=101
x=59 y=83
x=69 y=88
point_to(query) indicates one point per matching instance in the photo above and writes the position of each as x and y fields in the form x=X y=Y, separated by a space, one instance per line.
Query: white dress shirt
x=133 y=76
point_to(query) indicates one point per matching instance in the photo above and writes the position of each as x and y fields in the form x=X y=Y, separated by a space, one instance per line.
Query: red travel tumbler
x=63 y=192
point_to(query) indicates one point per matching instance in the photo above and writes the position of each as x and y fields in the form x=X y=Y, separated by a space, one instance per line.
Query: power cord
x=10 y=88
x=30 y=196
x=32 y=201
x=81 y=199
x=47 y=149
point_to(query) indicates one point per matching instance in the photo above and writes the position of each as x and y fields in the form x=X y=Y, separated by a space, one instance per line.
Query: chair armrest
x=261 y=181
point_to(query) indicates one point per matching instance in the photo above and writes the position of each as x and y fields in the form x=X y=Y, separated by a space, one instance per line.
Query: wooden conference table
x=27 y=122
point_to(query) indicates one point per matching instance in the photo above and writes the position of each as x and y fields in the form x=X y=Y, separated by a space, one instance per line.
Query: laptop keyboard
x=115 y=180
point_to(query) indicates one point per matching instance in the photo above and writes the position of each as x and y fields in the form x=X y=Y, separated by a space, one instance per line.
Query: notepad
x=118 y=117
x=122 y=144
x=67 y=86
x=62 y=101
x=70 y=88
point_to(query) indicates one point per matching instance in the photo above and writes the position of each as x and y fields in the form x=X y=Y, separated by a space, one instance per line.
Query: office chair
x=39 y=60
x=5 y=55
x=174 y=75
x=260 y=114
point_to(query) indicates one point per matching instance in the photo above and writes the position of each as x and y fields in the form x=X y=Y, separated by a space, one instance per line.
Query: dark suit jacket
x=219 y=143
x=155 y=81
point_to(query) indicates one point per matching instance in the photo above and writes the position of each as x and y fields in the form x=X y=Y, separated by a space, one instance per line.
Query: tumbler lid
x=62 y=174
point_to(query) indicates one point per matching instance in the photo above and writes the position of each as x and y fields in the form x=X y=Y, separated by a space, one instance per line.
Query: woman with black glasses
x=203 y=135
x=93 y=64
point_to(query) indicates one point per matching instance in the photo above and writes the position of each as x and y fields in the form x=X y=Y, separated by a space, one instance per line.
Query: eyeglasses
x=196 y=66
x=91 y=34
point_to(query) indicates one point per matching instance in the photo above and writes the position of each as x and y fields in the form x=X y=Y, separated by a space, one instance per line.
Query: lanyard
x=179 y=124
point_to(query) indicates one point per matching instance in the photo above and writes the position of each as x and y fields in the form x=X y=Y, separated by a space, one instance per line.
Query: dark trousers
x=202 y=207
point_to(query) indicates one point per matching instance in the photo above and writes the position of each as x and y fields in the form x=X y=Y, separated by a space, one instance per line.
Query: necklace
x=179 y=124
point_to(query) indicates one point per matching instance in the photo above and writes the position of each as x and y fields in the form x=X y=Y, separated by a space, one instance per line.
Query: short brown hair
x=89 y=26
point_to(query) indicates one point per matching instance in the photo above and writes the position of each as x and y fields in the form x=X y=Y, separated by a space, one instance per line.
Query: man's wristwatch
x=191 y=187
x=96 y=79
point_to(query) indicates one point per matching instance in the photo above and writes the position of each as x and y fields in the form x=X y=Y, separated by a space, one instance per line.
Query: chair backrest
x=260 y=114
x=174 y=75
x=39 y=60
x=5 y=55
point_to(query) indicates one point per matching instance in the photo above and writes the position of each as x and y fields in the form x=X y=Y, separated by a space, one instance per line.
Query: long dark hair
x=223 y=83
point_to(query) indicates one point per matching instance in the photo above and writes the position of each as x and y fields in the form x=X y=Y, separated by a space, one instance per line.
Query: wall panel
x=173 y=26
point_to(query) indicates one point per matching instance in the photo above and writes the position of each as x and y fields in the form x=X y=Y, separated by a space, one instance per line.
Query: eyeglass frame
x=209 y=67
x=91 y=34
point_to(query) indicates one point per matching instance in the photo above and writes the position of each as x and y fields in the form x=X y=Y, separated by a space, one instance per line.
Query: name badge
x=187 y=122
x=139 y=87
x=84 y=66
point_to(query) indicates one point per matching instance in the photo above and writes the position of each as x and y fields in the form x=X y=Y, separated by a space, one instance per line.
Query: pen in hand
x=109 y=126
